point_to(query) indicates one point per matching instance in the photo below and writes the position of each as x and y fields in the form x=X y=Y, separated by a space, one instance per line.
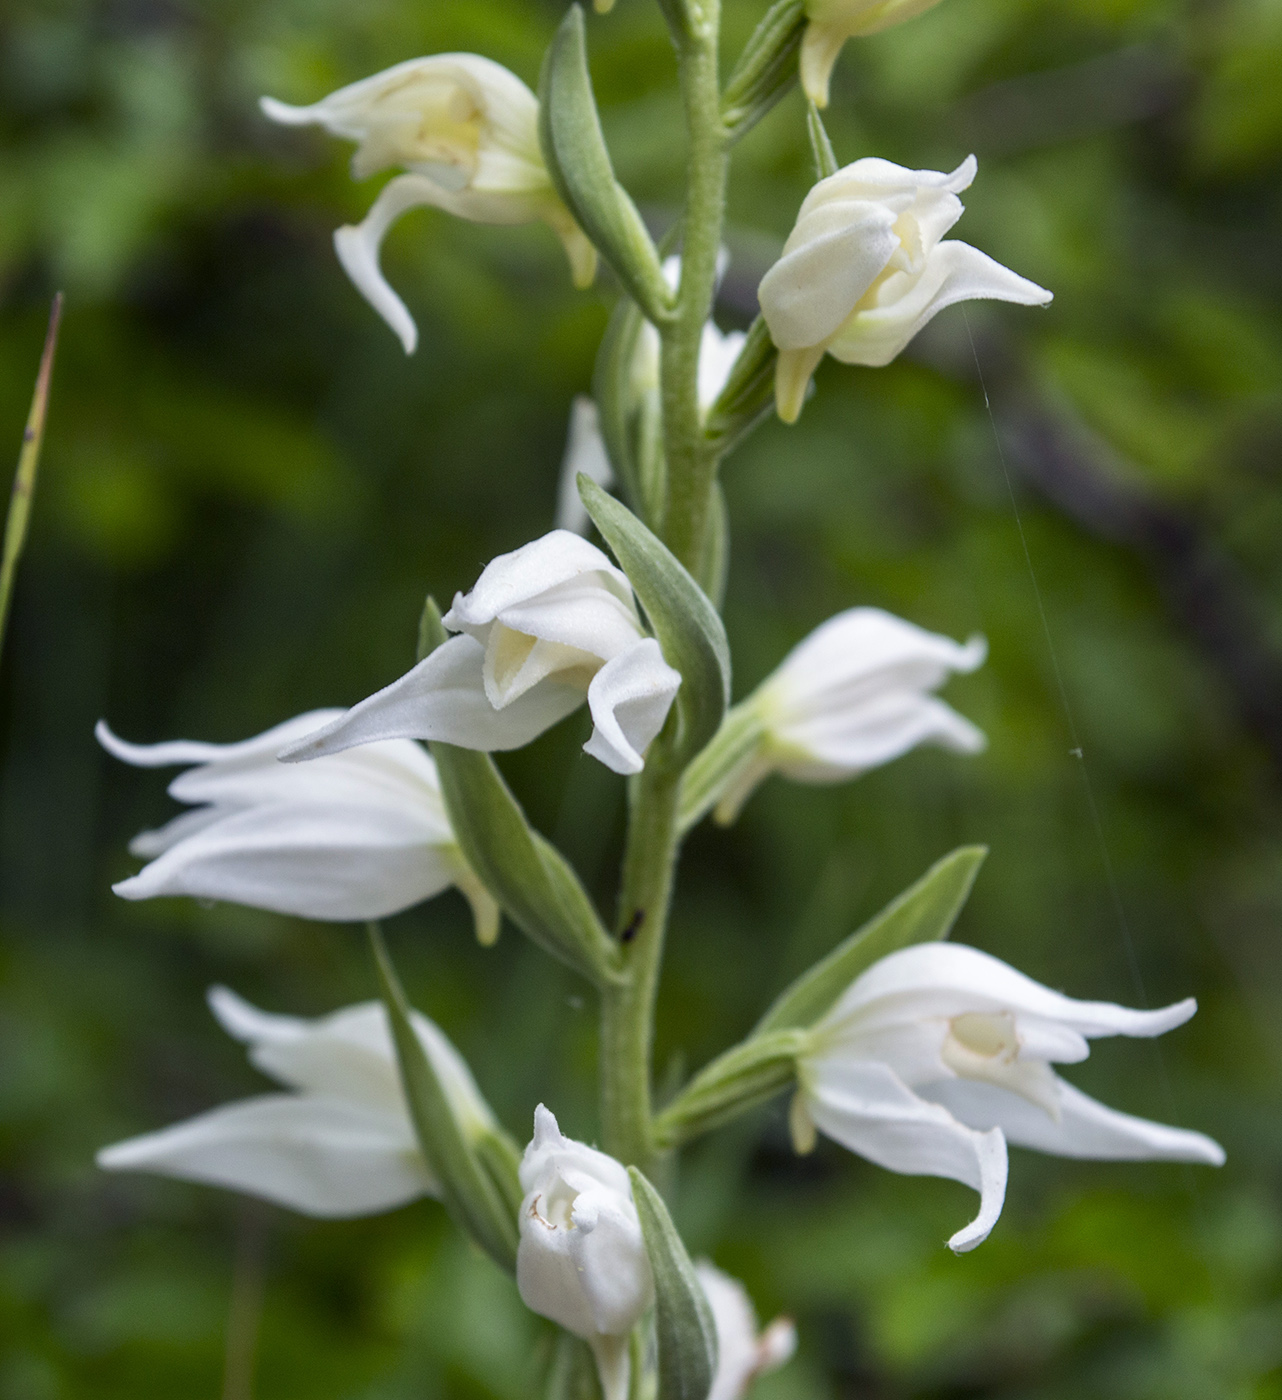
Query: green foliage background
x=248 y=488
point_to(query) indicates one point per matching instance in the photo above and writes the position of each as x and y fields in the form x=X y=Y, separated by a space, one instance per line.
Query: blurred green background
x=248 y=488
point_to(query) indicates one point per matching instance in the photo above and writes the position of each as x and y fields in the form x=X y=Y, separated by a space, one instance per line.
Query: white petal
x=830 y=748
x=955 y=272
x=718 y=352
x=583 y=613
x=584 y=452
x=742 y=1355
x=629 y=699
x=443 y=698
x=339 y=863
x=948 y=979
x=862 y=651
x=184 y=751
x=864 y=1106
x=348 y=1054
x=515 y=578
x=815 y=285
x=1086 y=1128
x=319 y=1156
x=357 y=246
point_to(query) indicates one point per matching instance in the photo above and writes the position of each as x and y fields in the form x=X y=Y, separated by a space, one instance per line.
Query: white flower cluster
x=931 y=1060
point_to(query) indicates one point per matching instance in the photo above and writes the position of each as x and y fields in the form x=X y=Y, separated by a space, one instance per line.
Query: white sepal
x=743 y=1353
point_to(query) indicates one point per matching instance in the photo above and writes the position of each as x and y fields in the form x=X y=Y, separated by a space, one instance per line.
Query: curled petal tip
x=284 y=113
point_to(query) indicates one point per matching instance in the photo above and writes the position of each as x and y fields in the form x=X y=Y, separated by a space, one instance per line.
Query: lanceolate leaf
x=684 y=1329
x=923 y=913
x=468 y=1190
x=767 y=68
x=579 y=164
x=685 y=622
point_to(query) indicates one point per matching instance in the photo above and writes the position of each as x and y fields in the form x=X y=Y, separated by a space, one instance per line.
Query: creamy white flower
x=864 y=269
x=832 y=22
x=853 y=695
x=582 y=1260
x=466 y=131
x=585 y=452
x=360 y=836
x=939 y=1055
x=545 y=626
x=340 y=1143
x=742 y=1353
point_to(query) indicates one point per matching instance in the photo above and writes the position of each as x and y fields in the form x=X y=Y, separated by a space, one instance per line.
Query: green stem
x=627 y=1008
x=24 y=483
x=692 y=460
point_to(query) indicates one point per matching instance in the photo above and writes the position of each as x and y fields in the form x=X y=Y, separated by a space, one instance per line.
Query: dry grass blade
x=24 y=482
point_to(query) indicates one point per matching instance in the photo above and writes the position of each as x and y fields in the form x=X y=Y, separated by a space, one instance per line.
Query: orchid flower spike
x=938 y=1056
x=582 y=1260
x=585 y=452
x=545 y=627
x=465 y=130
x=743 y=1354
x=853 y=695
x=361 y=836
x=832 y=22
x=864 y=270
x=340 y=1143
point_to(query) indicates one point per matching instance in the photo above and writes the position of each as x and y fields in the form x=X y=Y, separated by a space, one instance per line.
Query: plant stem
x=692 y=460
x=24 y=483
x=627 y=1009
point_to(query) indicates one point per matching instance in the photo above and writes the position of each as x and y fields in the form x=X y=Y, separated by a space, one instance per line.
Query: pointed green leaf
x=579 y=163
x=572 y=1374
x=820 y=145
x=469 y=1193
x=522 y=870
x=924 y=912
x=748 y=396
x=684 y=1329
x=767 y=68
x=745 y=1076
x=685 y=622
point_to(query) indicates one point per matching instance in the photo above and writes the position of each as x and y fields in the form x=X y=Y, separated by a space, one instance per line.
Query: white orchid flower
x=545 y=627
x=340 y=1143
x=585 y=452
x=864 y=269
x=743 y=1354
x=360 y=836
x=582 y=1260
x=855 y=694
x=832 y=22
x=939 y=1055
x=465 y=129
